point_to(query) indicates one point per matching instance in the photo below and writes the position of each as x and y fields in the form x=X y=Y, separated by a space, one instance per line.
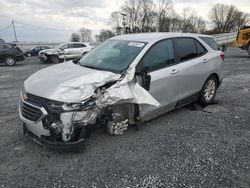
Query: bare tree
x=75 y=37
x=85 y=35
x=131 y=10
x=147 y=16
x=104 y=35
x=227 y=18
x=155 y=15
x=167 y=18
x=117 y=20
x=191 y=22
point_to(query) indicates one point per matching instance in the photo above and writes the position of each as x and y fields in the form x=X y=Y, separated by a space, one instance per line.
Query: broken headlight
x=85 y=105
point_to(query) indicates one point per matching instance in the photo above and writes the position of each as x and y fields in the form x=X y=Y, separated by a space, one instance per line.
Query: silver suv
x=64 y=52
x=124 y=81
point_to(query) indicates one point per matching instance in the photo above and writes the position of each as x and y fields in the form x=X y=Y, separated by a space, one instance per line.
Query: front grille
x=35 y=100
x=30 y=112
x=41 y=102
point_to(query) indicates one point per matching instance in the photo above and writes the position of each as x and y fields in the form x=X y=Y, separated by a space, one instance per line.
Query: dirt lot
x=184 y=148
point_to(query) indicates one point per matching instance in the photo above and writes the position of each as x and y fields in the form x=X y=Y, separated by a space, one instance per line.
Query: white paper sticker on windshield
x=136 y=44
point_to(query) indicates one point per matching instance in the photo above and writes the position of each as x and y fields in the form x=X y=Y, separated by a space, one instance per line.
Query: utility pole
x=123 y=22
x=14 y=29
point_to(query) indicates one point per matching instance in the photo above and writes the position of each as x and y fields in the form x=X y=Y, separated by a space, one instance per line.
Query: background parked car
x=34 y=51
x=64 y=51
x=10 y=54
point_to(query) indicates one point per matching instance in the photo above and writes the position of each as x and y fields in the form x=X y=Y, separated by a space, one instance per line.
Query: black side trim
x=188 y=100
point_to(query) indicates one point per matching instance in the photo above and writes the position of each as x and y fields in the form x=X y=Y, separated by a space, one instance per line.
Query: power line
x=5 y=28
x=47 y=28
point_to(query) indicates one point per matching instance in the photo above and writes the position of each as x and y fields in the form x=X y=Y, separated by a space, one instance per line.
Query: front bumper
x=42 y=57
x=40 y=135
x=76 y=146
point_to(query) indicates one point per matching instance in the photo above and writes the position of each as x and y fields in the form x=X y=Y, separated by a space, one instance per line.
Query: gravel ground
x=184 y=148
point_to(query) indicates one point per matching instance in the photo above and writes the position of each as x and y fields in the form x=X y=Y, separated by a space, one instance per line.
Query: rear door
x=192 y=65
x=79 y=49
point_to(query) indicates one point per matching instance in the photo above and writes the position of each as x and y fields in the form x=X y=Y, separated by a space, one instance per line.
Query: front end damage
x=112 y=102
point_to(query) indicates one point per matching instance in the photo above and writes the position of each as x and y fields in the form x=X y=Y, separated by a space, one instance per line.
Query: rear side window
x=186 y=48
x=159 y=56
x=79 y=45
x=211 y=42
x=200 y=49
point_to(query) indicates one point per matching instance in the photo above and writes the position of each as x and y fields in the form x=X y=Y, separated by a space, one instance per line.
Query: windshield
x=113 y=55
x=60 y=46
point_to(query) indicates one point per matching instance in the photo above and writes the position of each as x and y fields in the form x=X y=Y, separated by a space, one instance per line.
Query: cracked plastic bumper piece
x=76 y=146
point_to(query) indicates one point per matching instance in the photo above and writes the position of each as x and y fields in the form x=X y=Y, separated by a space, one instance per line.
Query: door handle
x=174 y=71
x=205 y=60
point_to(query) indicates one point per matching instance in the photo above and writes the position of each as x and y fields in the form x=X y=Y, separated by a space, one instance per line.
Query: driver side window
x=159 y=56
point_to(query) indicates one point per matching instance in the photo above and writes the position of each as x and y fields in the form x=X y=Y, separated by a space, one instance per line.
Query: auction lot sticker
x=136 y=44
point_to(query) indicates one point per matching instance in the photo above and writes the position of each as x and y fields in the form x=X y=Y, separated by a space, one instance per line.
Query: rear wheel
x=208 y=91
x=10 y=61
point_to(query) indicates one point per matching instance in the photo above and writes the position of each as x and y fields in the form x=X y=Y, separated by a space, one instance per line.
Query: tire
x=248 y=49
x=10 y=61
x=208 y=91
x=55 y=59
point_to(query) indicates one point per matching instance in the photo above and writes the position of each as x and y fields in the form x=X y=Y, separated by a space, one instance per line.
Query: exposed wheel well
x=217 y=77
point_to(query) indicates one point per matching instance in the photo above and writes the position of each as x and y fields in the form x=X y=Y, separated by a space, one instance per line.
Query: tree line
x=136 y=16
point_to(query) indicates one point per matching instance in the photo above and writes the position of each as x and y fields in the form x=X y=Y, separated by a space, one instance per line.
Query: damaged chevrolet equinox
x=127 y=80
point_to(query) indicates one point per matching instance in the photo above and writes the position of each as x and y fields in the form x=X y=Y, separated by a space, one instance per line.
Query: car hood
x=48 y=51
x=67 y=82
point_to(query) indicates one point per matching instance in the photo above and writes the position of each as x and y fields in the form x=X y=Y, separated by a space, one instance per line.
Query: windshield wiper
x=91 y=67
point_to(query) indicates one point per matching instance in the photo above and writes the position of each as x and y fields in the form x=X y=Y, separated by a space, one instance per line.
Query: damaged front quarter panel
x=89 y=98
x=123 y=91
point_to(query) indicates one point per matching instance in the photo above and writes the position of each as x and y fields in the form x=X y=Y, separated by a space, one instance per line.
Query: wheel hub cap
x=209 y=90
x=10 y=61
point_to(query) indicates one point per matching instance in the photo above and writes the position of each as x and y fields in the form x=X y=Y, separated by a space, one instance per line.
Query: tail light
x=222 y=55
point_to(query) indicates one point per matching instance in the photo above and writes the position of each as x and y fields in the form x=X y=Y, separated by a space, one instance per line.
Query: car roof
x=153 y=37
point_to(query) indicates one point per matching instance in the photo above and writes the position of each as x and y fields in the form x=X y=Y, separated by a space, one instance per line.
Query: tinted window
x=186 y=48
x=246 y=36
x=4 y=46
x=44 y=47
x=200 y=49
x=65 y=46
x=211 y=42
x=160 y=55
x=79 y=45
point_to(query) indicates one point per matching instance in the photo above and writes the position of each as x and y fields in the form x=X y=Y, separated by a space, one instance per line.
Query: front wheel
x=208 y=91
x=10 y=61
x=55 y=59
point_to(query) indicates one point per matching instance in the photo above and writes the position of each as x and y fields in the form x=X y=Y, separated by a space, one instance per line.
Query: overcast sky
x=73 y=14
